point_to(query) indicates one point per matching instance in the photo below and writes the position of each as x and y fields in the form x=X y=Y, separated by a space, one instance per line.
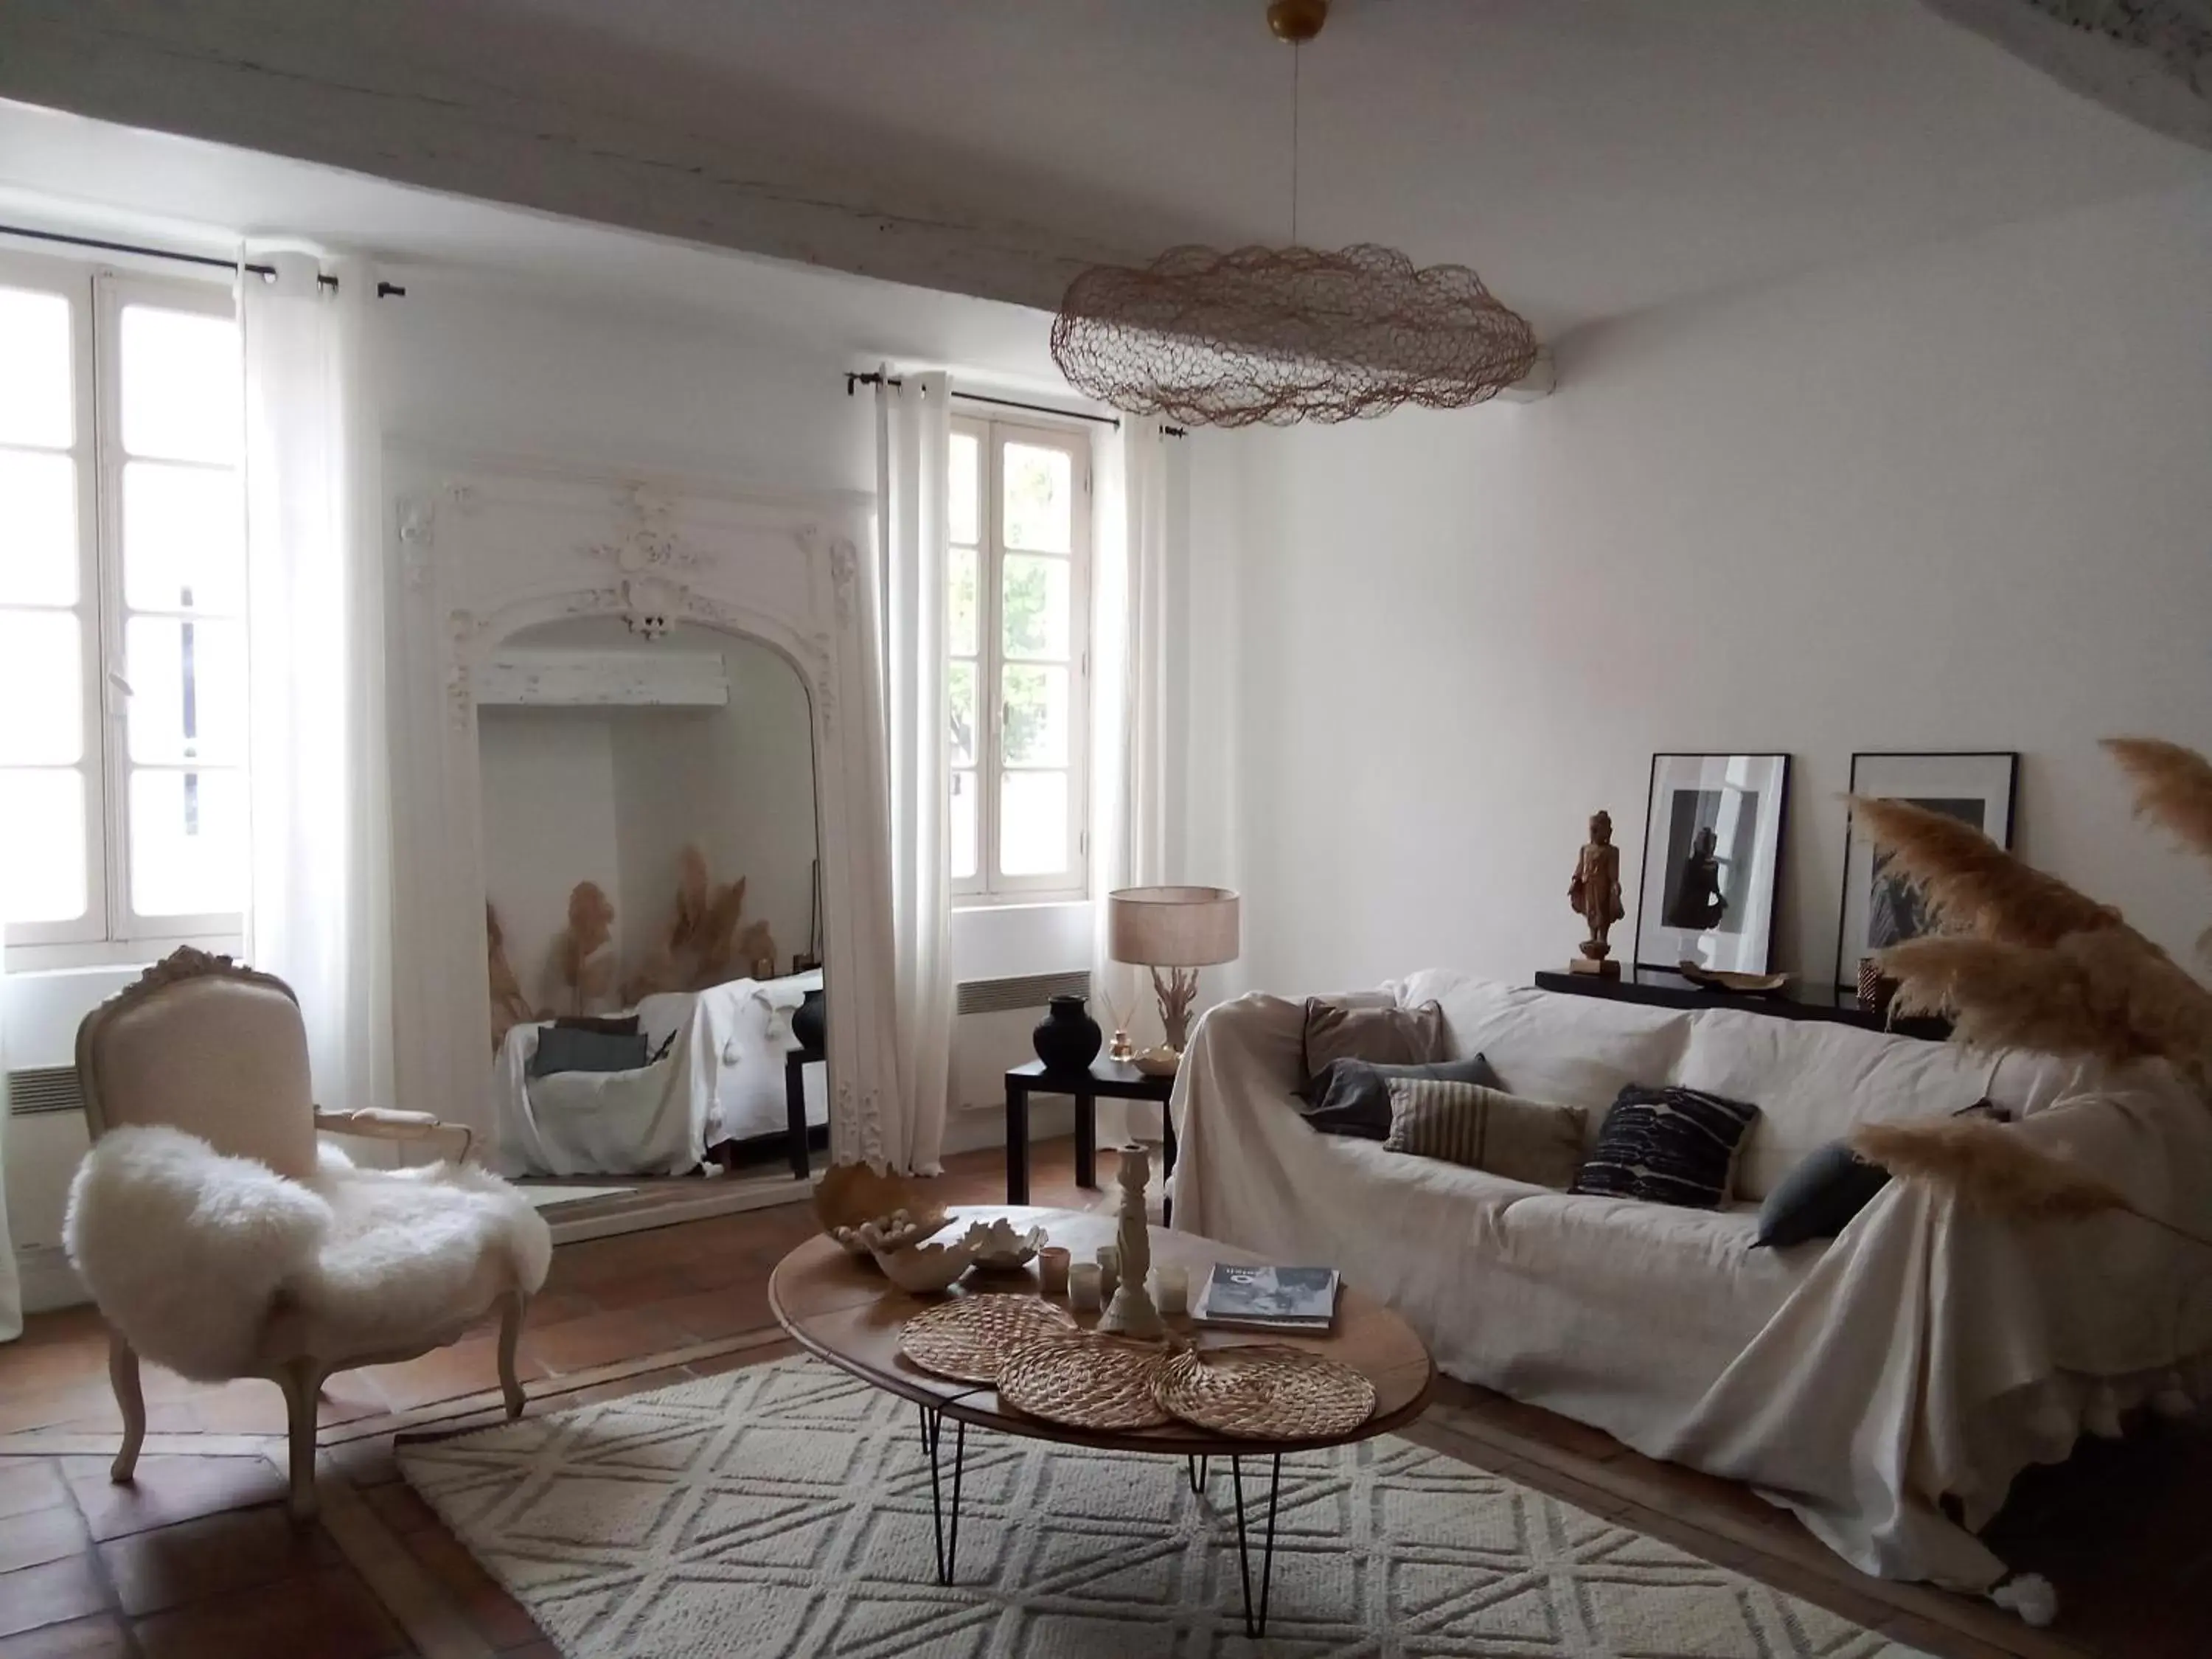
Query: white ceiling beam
x=348 y=88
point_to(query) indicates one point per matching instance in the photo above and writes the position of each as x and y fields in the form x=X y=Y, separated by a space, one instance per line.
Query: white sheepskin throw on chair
x=190 y=1254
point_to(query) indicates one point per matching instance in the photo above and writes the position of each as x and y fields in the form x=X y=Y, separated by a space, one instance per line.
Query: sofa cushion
x=1818 y=1199
x=1346 y=1028
x=1668 y=1146
x=1816 y=1079
x=561 y=1049
x=1484 y=1128
x=1352 y=1097
x=1544 y=1045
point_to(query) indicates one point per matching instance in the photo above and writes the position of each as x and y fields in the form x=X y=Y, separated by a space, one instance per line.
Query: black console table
x=1114 y=1078
x=1658 y=989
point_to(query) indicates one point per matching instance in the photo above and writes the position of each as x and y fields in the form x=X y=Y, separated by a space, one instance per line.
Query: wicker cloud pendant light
x=1284 y=334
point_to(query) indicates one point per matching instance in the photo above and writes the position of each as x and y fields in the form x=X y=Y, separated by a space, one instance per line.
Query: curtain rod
x=384 y=291
x=855 y=378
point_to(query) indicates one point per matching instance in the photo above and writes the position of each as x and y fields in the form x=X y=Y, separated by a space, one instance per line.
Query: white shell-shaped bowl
x=1000 y=1249
x=922 y=1269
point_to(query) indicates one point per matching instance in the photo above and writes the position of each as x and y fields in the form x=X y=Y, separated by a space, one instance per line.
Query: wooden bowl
x=850 y=1194
x=1718 y=979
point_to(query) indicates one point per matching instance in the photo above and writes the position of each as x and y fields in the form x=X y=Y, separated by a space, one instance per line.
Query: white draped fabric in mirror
x=912 y=436
x=1128 y=786
x=11 y=1289
x=320 y=913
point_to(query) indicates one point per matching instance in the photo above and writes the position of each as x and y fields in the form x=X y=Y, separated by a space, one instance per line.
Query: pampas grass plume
x=1994 y=1170
x=1969 y=880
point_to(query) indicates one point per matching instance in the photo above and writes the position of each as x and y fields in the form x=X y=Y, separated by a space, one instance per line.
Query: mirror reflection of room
x=652 y=909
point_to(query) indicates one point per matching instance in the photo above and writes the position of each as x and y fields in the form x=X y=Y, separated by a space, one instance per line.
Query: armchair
x=220 y=1238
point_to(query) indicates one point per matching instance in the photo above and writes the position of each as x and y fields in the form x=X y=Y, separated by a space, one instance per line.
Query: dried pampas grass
x=2106 y=994
x=579 y=968
x=2173 y=786
x=1970 y=881
x=509 y=1008
x=705 y=946
x=1991 y=1169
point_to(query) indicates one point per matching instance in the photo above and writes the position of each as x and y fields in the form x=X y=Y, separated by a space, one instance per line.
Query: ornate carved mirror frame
x=485 y=547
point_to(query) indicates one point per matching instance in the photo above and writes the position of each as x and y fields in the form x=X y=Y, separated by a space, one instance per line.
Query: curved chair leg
x=512 y=1306
x=302 y=1383
x=123 y=1374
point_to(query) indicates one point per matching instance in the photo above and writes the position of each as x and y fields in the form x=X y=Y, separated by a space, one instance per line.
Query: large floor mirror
x=653 y=906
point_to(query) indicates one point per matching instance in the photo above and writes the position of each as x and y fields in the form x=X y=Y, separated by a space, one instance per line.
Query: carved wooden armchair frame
x=299 y=1374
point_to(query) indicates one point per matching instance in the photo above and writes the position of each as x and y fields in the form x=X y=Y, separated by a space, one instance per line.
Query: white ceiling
x=1590 y=158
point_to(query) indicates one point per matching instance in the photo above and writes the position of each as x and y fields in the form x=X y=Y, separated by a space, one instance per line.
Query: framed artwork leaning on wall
x=1713 y=861
x=1880 y=906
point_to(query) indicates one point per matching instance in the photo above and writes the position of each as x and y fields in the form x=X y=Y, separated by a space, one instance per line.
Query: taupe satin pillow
x=1343 y=1028
x=1488 y=1129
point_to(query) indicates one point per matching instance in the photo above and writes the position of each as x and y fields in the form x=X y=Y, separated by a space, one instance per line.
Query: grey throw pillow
x=1818 y=1199
x=1356 y=1028
x=1352 y=1097
x=562 y=1048
x=1484 y=1129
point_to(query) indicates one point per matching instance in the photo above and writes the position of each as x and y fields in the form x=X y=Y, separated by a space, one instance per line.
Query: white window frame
x=990 y=885
x=110 y=931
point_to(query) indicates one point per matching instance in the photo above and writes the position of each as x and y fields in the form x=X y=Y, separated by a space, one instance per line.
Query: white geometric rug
x=784 y=1509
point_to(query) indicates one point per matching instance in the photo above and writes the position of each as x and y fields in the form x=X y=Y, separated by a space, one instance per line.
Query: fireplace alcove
x=494 y=557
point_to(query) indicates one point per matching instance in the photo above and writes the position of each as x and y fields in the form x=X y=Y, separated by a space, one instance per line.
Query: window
x=1019 y=626
x=121 y=608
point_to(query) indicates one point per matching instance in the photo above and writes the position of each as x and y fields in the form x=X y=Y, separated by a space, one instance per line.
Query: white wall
x=1957 y=500
x=549 y=823
x=738 y=780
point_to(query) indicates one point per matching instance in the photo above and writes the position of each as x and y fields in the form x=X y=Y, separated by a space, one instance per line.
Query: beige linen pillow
x=1480 y=1128
x=1349 y=1028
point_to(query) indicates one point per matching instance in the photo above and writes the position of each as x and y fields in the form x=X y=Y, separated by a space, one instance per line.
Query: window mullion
x=990 y=663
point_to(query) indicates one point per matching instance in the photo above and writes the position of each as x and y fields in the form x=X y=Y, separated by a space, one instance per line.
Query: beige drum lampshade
x=1171 y=927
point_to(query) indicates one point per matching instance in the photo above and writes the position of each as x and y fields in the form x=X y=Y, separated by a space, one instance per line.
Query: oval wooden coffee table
x=845 y=1311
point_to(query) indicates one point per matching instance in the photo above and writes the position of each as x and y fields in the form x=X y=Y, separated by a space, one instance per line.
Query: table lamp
x=1181 y=929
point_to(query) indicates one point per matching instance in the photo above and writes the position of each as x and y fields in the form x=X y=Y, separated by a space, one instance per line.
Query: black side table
x=1113 y=1080
x=794 y=1107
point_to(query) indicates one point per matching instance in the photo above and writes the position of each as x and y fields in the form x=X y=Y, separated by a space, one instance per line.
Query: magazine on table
x=1268 y=1298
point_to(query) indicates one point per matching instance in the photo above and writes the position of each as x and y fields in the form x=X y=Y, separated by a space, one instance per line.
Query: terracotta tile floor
x=196 y=1560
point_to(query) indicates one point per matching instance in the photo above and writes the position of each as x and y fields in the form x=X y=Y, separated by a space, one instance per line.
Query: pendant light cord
x=1296 y=48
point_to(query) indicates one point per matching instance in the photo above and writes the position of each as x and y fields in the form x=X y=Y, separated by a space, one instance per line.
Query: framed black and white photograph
x=1713 y=861
x=1881 y=908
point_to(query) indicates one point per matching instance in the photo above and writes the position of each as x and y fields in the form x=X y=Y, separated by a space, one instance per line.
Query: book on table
x=1268 y=1298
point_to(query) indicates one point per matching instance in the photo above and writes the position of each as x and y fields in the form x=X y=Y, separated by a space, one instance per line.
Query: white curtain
x=912 y=443
x=11 y=1289
x=321 y=914
x=1129 y=710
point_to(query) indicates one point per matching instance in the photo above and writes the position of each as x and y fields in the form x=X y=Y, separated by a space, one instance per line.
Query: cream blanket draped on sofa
x=1926 y=1352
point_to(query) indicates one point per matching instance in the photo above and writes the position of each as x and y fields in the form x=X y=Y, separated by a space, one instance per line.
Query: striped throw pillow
x=1484 y=1128
x=1668 y=1146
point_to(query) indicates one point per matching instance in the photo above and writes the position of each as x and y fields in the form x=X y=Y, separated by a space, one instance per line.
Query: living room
x=644 y=456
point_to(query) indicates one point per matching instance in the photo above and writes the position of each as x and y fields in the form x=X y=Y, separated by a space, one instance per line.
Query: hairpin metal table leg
x=1193 y=1470
x=1255 y=1620
x=947 y=1533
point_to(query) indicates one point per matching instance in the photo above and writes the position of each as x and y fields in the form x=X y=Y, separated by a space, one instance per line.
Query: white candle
x=1082 y=1287
x=1171 y=1290
x=1052 y=1269
x=1110 y=1270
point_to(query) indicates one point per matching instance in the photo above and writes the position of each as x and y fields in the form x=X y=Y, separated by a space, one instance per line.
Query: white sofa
x=1926 y=1353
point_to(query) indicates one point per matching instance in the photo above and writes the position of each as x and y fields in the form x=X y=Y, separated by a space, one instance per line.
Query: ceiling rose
x=1278 y=335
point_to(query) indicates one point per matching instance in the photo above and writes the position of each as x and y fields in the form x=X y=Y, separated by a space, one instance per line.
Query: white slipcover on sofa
x=1926 y=1352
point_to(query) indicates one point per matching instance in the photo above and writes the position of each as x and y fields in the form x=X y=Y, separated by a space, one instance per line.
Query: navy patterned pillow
x=1667 y=1146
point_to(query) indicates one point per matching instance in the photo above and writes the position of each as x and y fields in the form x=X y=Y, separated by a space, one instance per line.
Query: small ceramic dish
x=924 y=1269
x=1000 y=1249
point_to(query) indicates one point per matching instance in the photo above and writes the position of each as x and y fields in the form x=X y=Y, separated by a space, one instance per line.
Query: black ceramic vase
x=1066 y=1038
x=809 y=1024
